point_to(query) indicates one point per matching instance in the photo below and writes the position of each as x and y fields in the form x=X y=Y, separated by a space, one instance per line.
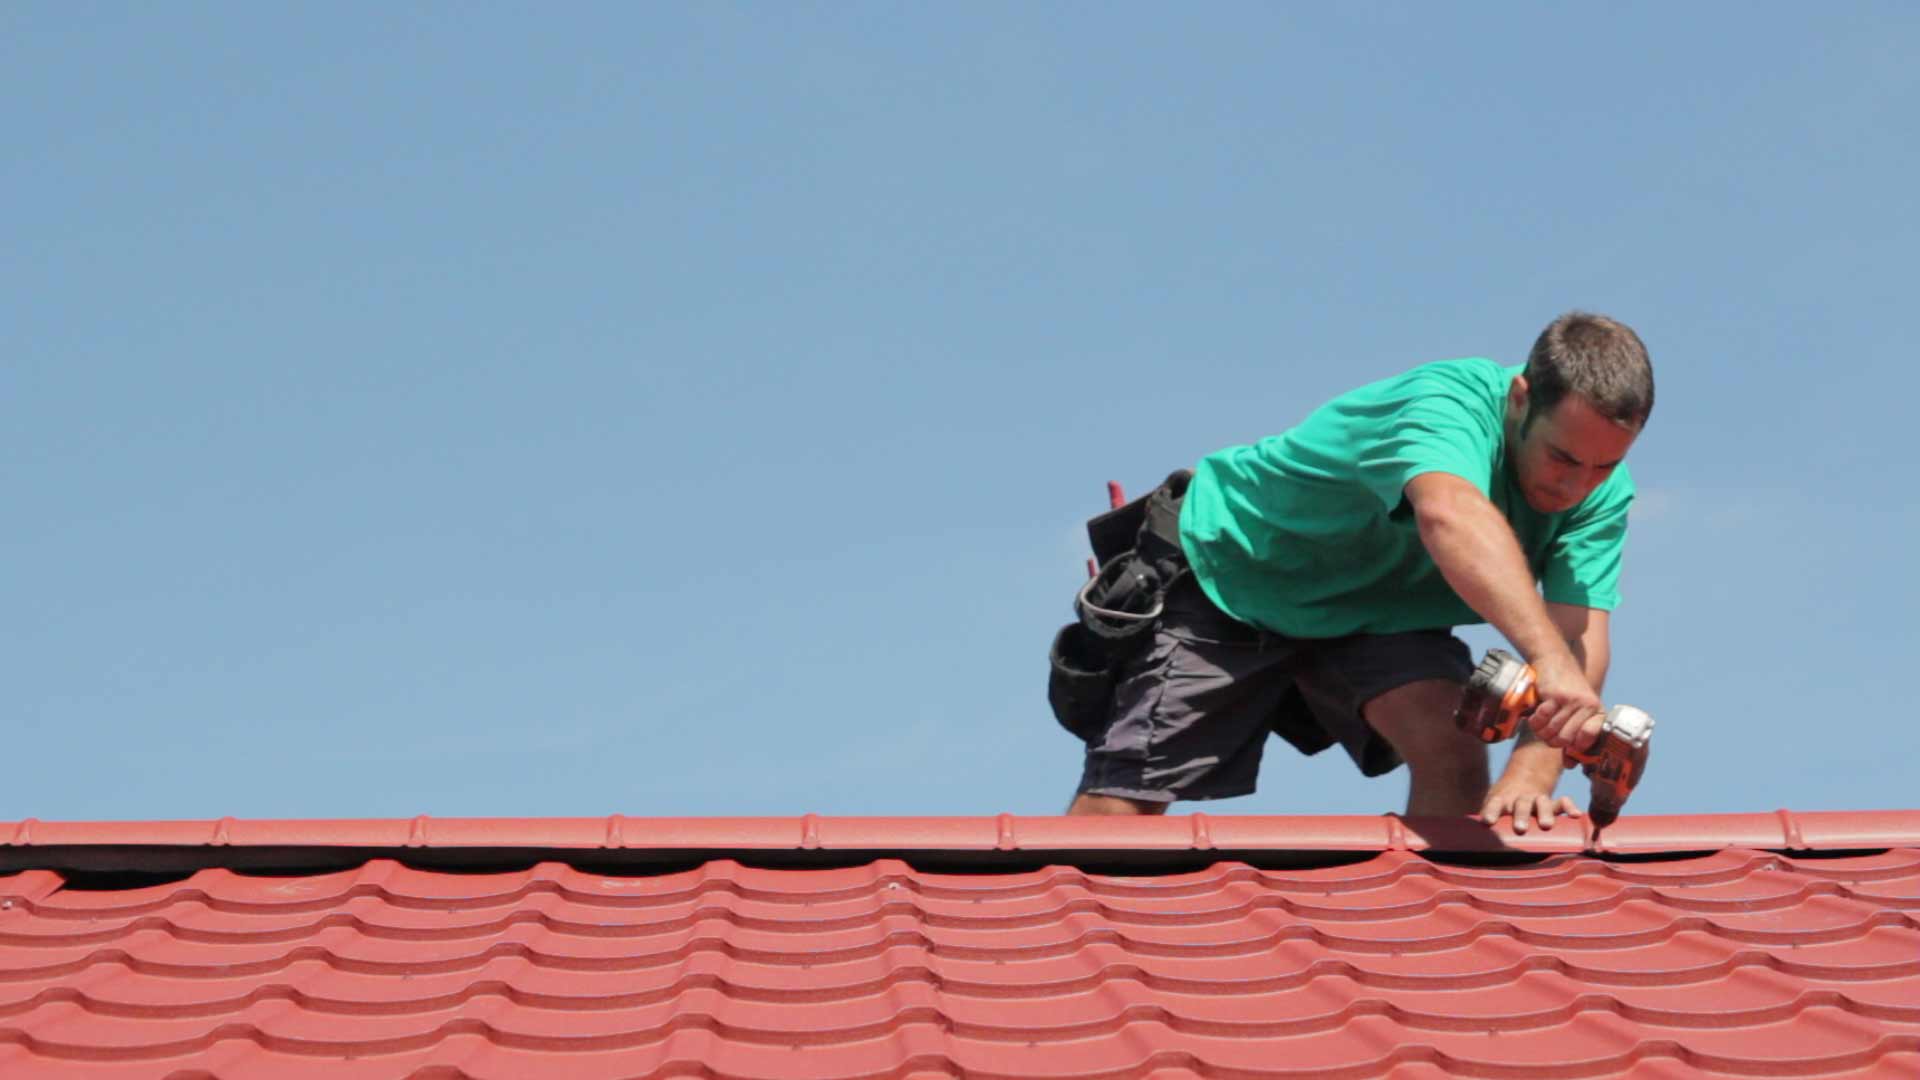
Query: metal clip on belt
x=1159 y=606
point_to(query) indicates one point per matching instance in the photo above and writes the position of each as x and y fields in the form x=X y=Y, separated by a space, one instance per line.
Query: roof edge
x=1781 y=830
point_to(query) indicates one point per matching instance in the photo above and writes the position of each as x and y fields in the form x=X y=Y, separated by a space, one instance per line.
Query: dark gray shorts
x=1192 y=712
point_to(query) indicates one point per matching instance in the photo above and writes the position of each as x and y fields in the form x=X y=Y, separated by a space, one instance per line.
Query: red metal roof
x=1745 y=945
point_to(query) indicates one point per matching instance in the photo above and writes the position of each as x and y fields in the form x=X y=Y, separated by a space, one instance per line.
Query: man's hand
x=1525 y=790
x=1569 y=716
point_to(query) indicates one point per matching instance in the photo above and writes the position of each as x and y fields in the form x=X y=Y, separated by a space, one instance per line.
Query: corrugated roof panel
x=1735 y=962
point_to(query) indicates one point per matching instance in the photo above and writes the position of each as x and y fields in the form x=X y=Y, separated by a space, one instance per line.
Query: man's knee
x=1087 y=805
x=1418 y=720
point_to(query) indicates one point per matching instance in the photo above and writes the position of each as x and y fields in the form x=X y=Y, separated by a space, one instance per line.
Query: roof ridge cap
x=1783 y=830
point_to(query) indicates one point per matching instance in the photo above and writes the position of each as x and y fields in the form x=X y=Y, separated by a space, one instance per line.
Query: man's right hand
x=1569 y=715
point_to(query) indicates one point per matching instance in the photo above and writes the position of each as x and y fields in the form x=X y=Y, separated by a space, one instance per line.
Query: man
x=1330 y=562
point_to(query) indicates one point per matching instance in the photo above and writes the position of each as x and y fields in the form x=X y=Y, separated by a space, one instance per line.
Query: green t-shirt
x=1309 y=533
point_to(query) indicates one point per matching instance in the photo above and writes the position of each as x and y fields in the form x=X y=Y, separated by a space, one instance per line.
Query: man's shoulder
x=1471 y=379
x=1476 y=372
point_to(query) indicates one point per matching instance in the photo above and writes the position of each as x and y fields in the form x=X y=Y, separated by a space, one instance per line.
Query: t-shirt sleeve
x=1437 y=427
x=1583 y=566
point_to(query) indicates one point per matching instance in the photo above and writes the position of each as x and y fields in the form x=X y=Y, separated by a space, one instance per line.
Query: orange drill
x=1501 y=694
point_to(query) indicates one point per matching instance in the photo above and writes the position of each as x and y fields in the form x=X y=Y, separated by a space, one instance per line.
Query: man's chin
x=1546 y=505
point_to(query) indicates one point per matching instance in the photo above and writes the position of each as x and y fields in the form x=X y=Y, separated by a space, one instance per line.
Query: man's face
x=1564 y=454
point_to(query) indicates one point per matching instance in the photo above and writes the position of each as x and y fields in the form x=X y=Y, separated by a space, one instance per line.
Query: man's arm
x=1585 y=632
x=1475 y=549
x=1525 y=788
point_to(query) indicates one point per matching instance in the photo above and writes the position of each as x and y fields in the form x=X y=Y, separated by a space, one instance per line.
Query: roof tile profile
x=1796 y=955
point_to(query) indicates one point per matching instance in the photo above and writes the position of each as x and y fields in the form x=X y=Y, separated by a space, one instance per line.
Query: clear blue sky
x=692 y=409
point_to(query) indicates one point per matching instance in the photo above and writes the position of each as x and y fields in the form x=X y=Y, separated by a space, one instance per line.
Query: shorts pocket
x=1080 y=682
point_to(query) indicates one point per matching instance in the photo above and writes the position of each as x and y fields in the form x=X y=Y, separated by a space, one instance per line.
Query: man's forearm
x=1476 y=552
x=1593 y=655
x=1593 y=661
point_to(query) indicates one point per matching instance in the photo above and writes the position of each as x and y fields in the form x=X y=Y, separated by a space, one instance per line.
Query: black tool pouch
x=1138 y=549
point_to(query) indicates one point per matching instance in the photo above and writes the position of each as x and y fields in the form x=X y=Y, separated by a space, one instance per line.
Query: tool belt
x=1137 y=550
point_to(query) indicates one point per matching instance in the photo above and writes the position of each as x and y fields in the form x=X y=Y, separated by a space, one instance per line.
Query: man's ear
x=1517 y=396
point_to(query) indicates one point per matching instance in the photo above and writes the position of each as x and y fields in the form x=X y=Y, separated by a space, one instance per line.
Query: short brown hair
x=1598 y=359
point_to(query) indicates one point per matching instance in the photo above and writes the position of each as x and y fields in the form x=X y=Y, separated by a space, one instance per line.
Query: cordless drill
x=1502 y=693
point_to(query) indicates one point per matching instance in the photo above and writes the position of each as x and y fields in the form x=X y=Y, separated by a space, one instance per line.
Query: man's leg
x=1449 y=767
x=1114 y=806
x=1190 y=713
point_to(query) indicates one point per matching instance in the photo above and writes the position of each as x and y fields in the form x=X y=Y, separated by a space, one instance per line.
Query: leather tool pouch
x=1137 y=547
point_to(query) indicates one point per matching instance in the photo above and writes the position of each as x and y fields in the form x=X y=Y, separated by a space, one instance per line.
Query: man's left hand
x=1525 y=790
x=1525 y=806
